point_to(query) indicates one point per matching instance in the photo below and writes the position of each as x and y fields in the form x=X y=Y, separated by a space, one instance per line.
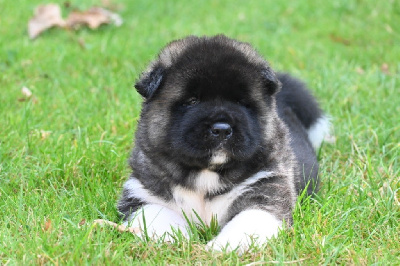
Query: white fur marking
x=318 y=131
x=219 y=157
x=220 y=205
x=244 y=228
x=256 y=177
x=137 y=190
x=188 y=200
x=160 y=221
x=208 y=181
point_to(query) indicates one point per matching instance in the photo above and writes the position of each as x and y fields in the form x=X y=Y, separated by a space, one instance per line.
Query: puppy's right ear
x=271 y=82
x=150 y=81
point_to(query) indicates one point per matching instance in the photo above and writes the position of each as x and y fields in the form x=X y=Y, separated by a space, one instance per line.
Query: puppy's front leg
x=157 y=221
x=247 y=226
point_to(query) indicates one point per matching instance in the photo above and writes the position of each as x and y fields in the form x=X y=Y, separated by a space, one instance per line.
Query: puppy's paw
x=229 y=243
x=250 y=227
x=157 y=222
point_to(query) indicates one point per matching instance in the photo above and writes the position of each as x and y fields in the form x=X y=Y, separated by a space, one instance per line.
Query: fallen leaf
x=44 y=134
x=360 y=71
x=46 y=16
x=27 y=96
x=26 y=92
x=25 y=63
x=120 y=228
x=93 y=18
x=339 y=39
x=385 y=68
x=67 y=4
x=47 y=225
x=82 y=43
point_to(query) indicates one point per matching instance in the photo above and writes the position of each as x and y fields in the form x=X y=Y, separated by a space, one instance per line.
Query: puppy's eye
x=191 y=101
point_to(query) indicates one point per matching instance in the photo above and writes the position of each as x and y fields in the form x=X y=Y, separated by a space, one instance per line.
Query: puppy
x=220 y=135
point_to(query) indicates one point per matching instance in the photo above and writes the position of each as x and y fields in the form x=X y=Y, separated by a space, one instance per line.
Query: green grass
x=52 y=186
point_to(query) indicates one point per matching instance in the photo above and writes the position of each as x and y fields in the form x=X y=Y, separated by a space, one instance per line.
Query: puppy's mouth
x=222 y=135
x=217 y=144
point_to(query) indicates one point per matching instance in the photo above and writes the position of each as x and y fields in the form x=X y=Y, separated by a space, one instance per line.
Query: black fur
x=150 y=83
x=294 y=94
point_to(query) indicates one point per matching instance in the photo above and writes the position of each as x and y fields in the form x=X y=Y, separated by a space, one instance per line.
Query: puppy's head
x=206 y=100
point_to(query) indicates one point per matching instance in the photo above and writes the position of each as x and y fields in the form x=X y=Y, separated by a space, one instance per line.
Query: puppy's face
x=208 y=107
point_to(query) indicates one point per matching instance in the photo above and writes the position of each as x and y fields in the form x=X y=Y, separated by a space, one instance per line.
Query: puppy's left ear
x=271 y=82
x=150 y=81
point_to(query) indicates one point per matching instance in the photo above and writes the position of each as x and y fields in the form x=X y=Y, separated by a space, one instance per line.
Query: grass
x=63 y=152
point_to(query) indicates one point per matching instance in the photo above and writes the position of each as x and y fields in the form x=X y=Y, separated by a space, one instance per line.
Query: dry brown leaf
x=47 y=225
x=67 y=4
x=360 y=71
x=46 y=16
x=120 y=228
x=93 y=18
x=82 y=222
x=339 y=39
x=82 y=43
x=44 y=134
x=385 y=68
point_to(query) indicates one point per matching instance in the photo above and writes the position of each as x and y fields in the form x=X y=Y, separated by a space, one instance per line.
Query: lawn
x=64 y=150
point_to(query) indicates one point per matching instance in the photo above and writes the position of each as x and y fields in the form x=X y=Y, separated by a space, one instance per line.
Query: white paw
x=157 y=221
x=247 y=228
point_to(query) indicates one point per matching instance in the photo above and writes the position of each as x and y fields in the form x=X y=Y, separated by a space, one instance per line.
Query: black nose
x=221 y=130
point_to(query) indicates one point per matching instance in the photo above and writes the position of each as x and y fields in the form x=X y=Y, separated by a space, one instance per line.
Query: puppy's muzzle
x=221 y=131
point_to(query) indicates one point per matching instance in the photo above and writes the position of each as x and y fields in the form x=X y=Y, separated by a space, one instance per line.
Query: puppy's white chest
x=193 y=202
x=207 y=182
